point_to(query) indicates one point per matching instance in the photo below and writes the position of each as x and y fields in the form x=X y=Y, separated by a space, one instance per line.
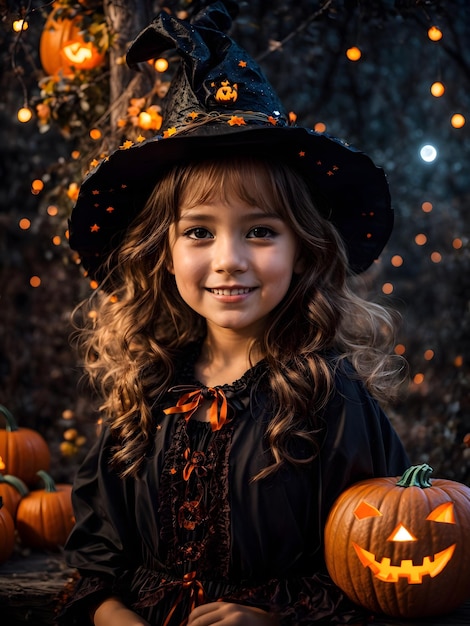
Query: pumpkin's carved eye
x=443 y=513
x=364 y=509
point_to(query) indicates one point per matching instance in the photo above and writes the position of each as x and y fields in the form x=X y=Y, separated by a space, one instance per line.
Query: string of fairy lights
x=144 y=117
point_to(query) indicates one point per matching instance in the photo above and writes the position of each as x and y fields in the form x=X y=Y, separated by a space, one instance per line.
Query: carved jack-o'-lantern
x=401 y=548
x=227 y=92
x=63 y=47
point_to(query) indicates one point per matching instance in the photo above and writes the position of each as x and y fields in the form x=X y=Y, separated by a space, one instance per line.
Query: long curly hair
x=135 y=325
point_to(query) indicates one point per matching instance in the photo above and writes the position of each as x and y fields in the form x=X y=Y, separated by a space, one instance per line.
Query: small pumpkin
x=44 y=517
x=400 y=546
x=23 y=450
x=62 y=46
x=12 y=489
x=7 y=533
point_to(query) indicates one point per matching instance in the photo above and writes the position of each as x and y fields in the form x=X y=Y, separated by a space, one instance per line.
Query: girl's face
x=233 y=262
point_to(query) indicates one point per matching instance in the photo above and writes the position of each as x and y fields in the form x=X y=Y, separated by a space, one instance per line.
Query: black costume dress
x=193 y=527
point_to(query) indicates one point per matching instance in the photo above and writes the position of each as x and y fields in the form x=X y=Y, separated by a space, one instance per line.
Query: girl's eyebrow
x=189 y=215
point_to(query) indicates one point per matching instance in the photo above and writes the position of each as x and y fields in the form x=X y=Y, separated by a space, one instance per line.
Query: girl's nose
x=229 y=256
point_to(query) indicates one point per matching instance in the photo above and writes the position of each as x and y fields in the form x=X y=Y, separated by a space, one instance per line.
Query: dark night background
x=382 y=104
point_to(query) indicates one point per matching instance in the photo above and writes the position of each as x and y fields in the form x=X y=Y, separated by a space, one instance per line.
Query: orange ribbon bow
x=191 y=401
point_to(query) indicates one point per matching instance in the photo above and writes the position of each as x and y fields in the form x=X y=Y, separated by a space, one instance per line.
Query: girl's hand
x=112 y=612
x=228 y=614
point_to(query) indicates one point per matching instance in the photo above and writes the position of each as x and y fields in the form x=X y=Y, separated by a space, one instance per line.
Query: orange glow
x=397 y=260
x=37 y=185
x=435 y=33
x=52 y=210
x=436 y=257
x=458 y=361
x=457 y=120
x=24 y=223
x=444 y=513
x=161 y=65
x=457 y=243
x=387 y=288
x=320 y=127
x=56 y=240
x=24 y=114
x=75 y=154
x=354 y=53
x=364 y=509
x=426 y=207
x=428 y=355
x=72 y=191
x=400 y=349
x=418 y=379
x=401 y=534
x=145 y=120
x=437 y=89
x=34 y=281
x=421 y=239
x=95 y=133
x=19 y=25
x=93 y=284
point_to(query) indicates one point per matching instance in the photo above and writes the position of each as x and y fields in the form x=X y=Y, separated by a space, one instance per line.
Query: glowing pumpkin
x=63 y=48
x=401 y=547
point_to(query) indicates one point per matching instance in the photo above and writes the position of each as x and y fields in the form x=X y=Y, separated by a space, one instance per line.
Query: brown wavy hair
x=136 y=324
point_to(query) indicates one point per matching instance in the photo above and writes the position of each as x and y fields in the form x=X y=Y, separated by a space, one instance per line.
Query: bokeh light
x=353 y=53
x=428 y=153
x=435 y=33
x=457 y=120
x=437 y=89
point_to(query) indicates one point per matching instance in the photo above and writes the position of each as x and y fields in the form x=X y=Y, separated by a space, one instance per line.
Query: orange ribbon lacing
x=196 y=596
x=191 y=401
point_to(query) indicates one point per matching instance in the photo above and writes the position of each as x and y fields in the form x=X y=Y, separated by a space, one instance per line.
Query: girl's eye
x=198 y=233
x=261 y=232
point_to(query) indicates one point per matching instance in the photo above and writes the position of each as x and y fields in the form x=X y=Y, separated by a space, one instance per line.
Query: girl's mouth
x=237 y=291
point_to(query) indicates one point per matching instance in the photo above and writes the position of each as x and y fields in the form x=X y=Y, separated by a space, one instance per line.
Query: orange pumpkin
x=12 y=489
x=7 y=533
x=63 y=48
x=23 y=450
x=44 y=517
x=401 y=548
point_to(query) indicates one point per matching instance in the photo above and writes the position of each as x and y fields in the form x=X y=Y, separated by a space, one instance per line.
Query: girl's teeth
x=230 y=292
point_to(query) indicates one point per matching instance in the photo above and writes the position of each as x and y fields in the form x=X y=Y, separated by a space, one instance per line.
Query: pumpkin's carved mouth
x=389 y=573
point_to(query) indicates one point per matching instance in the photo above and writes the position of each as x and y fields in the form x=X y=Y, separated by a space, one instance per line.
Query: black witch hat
x=221 y=103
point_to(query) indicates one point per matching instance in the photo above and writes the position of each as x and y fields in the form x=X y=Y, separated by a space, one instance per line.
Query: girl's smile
x=233 y=263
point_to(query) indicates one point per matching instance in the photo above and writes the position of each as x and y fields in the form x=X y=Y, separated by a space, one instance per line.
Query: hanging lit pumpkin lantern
x=401 y=548
x=63 y=47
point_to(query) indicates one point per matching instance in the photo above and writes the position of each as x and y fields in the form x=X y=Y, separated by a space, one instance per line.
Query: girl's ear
x=169 y=266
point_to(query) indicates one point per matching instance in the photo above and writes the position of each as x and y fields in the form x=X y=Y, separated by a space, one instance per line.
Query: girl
x=237 y=368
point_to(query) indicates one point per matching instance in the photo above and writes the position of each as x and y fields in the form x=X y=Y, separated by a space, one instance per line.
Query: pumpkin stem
x=416 y=476
x=15 y=482
x=11 y=423
x=49 y=484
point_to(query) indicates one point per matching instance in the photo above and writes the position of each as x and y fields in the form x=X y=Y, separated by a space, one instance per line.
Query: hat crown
x=216 y=75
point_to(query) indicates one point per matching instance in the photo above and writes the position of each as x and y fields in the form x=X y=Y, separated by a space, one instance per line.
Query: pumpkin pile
x=42 y=518
x=400 y=546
